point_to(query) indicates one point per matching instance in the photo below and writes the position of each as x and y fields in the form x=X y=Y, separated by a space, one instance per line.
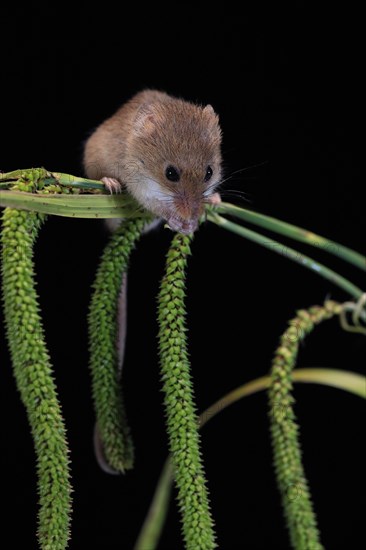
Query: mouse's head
x=175 y=146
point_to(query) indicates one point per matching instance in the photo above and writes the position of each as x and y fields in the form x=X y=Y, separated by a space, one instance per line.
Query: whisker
x=249 y=167
x=240 y=170
x=235 y=194
x=210 y=189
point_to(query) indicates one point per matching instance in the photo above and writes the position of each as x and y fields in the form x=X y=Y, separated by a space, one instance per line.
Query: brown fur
x=135 y=146
x=150 y=132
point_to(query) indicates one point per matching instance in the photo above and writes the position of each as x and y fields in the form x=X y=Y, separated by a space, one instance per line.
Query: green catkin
x=109 y=408
x=291 y=480
x=34 y=377
x=181 y=416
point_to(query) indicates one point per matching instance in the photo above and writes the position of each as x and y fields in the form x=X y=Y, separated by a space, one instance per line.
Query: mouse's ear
x=209 y=110
x=145 y=119
x=210 y=115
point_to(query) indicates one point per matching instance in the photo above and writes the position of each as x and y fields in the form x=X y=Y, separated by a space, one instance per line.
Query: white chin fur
x=147 y=192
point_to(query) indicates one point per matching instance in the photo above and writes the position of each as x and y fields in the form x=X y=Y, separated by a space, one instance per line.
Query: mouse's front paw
x=112 y=185
x=214 y=199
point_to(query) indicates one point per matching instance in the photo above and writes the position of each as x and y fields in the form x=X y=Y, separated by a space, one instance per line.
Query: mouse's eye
x=209 y=173
x=172 y=173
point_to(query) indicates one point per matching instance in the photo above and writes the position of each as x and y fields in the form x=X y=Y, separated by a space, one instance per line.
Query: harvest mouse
x=166 y=152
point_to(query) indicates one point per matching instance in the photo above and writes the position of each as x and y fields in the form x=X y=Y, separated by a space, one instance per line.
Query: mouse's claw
x=112 y=185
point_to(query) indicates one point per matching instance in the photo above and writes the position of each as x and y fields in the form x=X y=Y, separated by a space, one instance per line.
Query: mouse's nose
x=189 y=209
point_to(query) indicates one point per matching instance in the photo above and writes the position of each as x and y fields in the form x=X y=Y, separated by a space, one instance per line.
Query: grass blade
x=294 y=232
x=289 y=253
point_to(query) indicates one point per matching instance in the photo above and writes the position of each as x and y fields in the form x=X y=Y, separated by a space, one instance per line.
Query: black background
x=284 y=86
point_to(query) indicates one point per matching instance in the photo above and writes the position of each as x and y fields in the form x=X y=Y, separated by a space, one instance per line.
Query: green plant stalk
x=78 y=183
x=45 y=177
x=154 y=522
x=34 y=378
x=180 y=409
x=153 y=525
x=73 y=206
x=343 y=380
x=23 y=174
x=289 y=253
x=65 y=195
x=294 y=232
x=124 y=206
x=291 y=479
x=110 y=412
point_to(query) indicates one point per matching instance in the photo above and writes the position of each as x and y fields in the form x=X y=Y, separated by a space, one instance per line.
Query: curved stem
x=155 y=518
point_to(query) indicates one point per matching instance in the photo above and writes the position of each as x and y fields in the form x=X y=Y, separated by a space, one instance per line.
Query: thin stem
x=155 y=518
x=294 y=232
x=289 y=253
x=341 y=379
